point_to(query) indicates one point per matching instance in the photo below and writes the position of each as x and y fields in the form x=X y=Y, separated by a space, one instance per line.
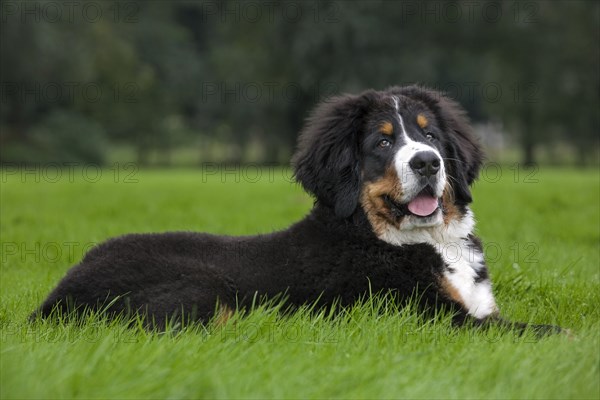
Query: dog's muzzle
x=425 y=165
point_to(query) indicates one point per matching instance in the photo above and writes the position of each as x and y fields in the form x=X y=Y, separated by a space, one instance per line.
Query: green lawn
x=542 y=241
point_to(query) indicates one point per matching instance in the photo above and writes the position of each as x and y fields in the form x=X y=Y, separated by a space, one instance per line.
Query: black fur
x=320 y=259
x=331 y=255
x=328 y=156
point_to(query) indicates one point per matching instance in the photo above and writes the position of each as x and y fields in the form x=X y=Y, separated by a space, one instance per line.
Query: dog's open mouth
x=423 y=205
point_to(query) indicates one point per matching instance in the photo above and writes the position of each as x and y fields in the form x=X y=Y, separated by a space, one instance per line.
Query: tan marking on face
x=377 y=211
x=223 y=314
x=451 y=292
x=450 y=210
x=386 y=128
x=422 y=121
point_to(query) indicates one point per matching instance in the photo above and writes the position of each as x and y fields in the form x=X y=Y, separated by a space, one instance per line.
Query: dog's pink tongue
x=423 y=205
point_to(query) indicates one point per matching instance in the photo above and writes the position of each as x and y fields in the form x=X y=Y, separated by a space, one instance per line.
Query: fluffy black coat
x=320 y=259
x=333 y=254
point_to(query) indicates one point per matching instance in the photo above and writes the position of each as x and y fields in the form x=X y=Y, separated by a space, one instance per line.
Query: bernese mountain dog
x=390 y=172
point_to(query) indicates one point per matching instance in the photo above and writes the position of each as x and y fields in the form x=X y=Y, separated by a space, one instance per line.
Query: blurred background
x=188 y=82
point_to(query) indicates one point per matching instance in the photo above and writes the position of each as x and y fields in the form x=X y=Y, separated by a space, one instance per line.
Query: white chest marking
x=461 y=259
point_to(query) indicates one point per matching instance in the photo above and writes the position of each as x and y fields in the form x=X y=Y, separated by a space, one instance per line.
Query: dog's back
x=191 y=275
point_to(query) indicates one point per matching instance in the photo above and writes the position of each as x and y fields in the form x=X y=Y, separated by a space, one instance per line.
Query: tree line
x=233 y=81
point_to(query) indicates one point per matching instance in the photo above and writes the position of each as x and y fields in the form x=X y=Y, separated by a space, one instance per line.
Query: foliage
x=245 y=75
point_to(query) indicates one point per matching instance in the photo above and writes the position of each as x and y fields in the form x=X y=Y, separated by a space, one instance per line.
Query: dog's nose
x=425 y=163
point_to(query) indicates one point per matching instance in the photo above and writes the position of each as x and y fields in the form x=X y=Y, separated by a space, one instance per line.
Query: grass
x=542 y=240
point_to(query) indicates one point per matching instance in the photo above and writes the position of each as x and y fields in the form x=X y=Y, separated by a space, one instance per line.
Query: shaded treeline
x=233 y=81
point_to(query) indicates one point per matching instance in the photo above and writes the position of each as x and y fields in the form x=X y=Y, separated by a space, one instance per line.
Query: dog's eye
x=430 y=136
x=383 y=143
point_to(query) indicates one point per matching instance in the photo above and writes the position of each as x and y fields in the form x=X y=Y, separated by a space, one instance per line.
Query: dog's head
x=405 y=155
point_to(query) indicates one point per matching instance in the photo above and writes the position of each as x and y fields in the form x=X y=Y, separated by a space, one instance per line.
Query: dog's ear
x=464 y=155
x=460 y=181
x=327 y=159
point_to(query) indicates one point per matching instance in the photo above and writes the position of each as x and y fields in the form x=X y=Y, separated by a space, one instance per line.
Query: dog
x=390 y=172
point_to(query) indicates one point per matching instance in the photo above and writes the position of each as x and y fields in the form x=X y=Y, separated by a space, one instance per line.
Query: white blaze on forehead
x=406 y=138
x=409 y=180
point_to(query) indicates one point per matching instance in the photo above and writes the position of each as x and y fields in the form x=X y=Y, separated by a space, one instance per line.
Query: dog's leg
x=466 y=281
